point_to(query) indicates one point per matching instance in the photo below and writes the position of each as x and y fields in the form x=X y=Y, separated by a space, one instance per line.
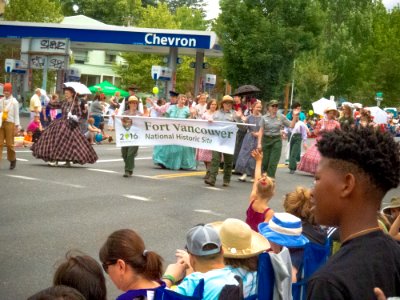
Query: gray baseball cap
x=198 y=237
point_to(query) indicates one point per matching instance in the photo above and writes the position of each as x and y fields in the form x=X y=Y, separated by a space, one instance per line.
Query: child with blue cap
x=283 y=231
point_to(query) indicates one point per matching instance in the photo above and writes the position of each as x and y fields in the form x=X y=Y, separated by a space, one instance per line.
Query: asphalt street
x=46 y=211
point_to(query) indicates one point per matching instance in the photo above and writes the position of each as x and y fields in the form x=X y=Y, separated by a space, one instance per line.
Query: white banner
x=145 y=131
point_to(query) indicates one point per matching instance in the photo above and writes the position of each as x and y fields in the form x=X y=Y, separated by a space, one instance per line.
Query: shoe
x=110 y=139
x=243 y=177
x=67 y=164
x=207 y=181
x=13 y=164
x=126 y=174
x=53 y=163
x=130 y=173
x=207 y=175
x=225 y=183
x=292 y=171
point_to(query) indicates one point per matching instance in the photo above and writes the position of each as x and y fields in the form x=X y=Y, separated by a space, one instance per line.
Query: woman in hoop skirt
x=311 y=158
x=62 y=140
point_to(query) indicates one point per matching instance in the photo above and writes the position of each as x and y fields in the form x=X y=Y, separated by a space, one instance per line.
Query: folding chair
x=167 y=294
x=265 y=279
x=315 y=256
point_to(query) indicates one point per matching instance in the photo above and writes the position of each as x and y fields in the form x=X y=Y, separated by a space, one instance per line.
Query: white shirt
x=10 y=104
x=35 y=102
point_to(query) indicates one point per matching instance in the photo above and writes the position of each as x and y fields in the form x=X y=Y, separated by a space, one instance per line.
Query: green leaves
x=261 y=38
x=47 y=11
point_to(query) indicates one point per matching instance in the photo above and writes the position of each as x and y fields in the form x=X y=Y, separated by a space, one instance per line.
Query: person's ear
x=349 y=185
x=121 y=265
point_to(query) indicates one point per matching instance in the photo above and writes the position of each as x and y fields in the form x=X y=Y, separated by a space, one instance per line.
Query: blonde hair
x=265 y=187
x=298 y=203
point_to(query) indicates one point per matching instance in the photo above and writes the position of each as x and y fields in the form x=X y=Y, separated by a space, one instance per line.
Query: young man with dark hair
x=206 y=261
x=358 y=167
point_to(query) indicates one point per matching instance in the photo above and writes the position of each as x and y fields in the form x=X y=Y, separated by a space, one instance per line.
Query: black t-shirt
x=365 y=262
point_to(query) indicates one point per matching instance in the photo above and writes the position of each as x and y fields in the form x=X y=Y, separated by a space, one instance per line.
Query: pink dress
x=254 y=218
x=311 y=158
x=203 y=154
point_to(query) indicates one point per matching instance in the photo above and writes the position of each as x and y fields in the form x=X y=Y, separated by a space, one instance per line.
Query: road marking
x=66 y=184
x=120 y=159
x=213 y=188
x=23 y=177
x=47 y=181
x=176 y=175
x=102 y=170
x=137 y=198
x=108 y=160
x=145 y=176
x=208 y=212
x=22 y=159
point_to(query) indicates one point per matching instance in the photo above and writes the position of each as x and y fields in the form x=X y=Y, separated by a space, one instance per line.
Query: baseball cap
x=273 y=102
x=198 y=237
x=7 y=87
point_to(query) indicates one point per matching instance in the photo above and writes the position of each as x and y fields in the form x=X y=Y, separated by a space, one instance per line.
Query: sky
x=212 y=8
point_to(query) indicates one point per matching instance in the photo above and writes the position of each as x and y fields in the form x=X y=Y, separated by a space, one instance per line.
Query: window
x=110 y=58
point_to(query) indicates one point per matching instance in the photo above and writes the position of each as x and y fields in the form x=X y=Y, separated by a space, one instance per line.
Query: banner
x=145 y=131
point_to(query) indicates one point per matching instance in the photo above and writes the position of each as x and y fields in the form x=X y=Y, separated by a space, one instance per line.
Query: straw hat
x=239 y=240
x=133 y=99
x=394 y=203
x=226 y=98
x=330 y=108
x=284 y=229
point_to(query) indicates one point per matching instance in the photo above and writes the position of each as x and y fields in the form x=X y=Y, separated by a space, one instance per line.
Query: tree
x=193 y=4
x=138 y=65
x=46 y=11
x=115 y=12
x=190 y=19
x=260 y=40
x=312 y=75
x=378 y=58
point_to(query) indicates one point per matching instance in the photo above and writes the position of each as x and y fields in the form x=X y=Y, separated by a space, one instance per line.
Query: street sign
x=379 y=98
x=9 y=65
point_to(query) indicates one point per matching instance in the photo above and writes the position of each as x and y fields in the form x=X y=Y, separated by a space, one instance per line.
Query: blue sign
x=112 y=36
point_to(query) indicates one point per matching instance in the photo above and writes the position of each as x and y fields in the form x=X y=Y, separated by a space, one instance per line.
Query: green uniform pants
x=272 y=148
x=129 y=154
x=228 y=162
x=295 y=150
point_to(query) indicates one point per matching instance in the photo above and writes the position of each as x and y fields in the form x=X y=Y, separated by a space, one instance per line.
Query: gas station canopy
x=115 y=38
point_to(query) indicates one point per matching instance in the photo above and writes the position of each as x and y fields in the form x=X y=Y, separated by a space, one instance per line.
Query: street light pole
x=291 y=93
